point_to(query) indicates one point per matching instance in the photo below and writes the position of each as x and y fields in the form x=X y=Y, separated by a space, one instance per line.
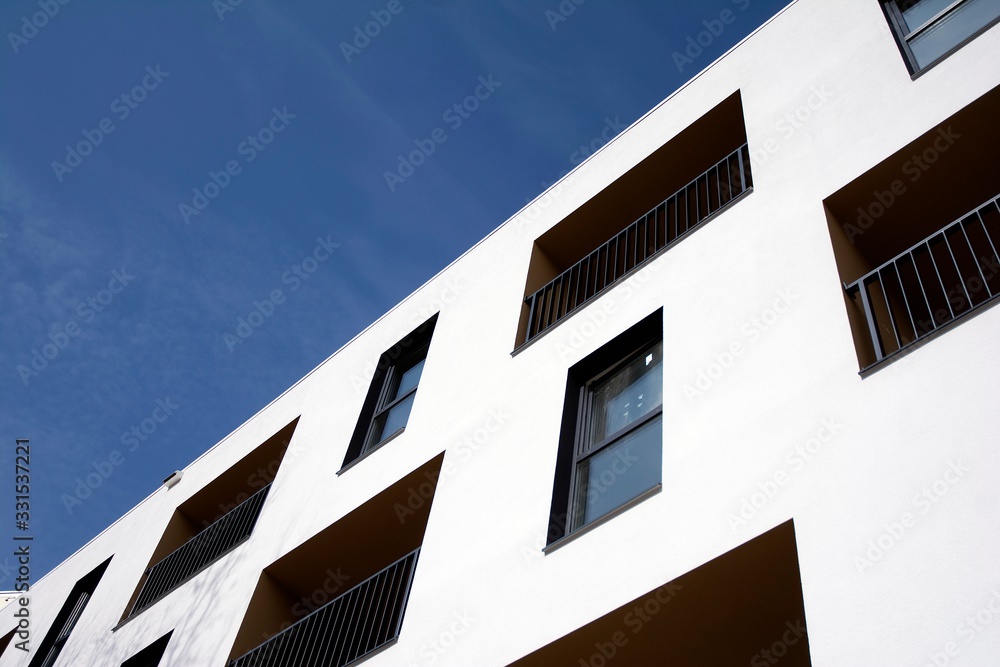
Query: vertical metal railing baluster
x=923 y=291
x=329 y=630
x=888 y=309
x=873 y=331
x=550 y=305
x=954 y=262
x=743 y=178
x=906 y=301
x=982 y=221
x=531 y=316
x=677 y=215
x=698 y=203
x=975 y=260
x=339 y=632
x=987 y=233
x=611 y=277
x=944 y=290
x=745 y=155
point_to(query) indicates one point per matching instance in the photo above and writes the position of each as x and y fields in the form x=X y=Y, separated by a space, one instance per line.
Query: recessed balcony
x=946 y=276
x=915 y=237
x=693 y=177
x=341 y=595
x=681 y=213
x=208 y=546
x=213 y=521
x=351 y=626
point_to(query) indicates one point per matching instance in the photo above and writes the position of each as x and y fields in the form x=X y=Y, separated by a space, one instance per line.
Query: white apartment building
x=724 y=395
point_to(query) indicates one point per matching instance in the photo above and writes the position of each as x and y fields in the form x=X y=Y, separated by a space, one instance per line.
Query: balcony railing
x=215 y=541
x=657 y=230
x=347 y=628
x=948 y=275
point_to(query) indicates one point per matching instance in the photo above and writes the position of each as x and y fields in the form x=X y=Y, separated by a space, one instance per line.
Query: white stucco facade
x=787 y=415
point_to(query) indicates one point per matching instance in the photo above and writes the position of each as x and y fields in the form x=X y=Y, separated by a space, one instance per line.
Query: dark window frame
x=68 y=617
x=575 y=429
x=392 y=364
x=903 y=36
x=386 y=404
x=151 y=655
x=585 y=451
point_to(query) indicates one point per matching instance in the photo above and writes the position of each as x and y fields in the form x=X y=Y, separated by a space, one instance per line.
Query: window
x=928 y=30
x=390 y=398
x=6 y=639
x=50 y=648
x=621 y=428
x=151 y=655
x=611 y=442
x=396 y=400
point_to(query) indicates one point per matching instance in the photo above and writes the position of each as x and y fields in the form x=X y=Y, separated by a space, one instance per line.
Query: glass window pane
x=388 y=423
x=619 y=473
x=409 y=379
x=627 y=395
x=915 y=14
x=957 y=26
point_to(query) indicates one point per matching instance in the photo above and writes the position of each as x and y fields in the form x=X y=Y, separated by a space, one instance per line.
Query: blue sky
x=166 y=165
